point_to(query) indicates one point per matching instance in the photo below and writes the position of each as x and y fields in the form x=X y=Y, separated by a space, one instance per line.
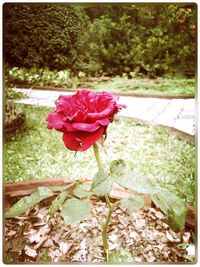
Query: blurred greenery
x=64 y=79
x=37 y=153
x=37 y=76
x=148 y=38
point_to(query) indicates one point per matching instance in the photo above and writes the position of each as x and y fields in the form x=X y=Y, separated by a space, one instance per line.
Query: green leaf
x=120 y=256
x=28 y=202
x=136 y=182
x=133 y=204
x=118 y=167
x=75 y=210
x=81 y=192
x=60 y=188
x=102 y=184
x=173 y=207
x=57 y=202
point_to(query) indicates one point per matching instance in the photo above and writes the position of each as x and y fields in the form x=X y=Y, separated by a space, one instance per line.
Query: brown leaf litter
x=35 y=237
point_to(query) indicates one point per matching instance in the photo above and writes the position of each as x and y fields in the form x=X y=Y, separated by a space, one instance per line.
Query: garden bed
x=34 y=237
x=43 y=239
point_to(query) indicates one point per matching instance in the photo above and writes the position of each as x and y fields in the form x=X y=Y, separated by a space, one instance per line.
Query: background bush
x=113 y=38
x=148 y=38
x=44 y=35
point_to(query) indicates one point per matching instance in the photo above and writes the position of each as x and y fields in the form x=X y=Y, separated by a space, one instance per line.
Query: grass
x=145 y=85
x=37 y=153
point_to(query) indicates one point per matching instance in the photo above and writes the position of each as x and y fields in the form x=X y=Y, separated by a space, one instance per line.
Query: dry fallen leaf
x=186 y=236
x=143 y=233
x=30 y=252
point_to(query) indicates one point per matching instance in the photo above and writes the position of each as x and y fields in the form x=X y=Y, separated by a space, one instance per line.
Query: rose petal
x=83 y=117
x=55 y=120
x=87 y=127
x=104 y=122
x=90 y=127
x=105 y=113
x=81 y=141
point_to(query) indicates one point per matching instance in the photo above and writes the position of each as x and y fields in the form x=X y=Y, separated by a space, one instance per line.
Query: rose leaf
x=118 y=167
x=75 y=210
x=120 y=256
x=133 y=204
x=173 y=207
x=102 y=183
x=81 y=192
x=57 y=202
x=28 y=202
x=136 y=182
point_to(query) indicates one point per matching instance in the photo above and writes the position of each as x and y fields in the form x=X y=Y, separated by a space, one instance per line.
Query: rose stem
x=110 y=206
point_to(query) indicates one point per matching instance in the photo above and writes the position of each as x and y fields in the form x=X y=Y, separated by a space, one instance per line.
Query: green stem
x=111 y=207
x=97 y=217
x=104 y=229
x=97 y=156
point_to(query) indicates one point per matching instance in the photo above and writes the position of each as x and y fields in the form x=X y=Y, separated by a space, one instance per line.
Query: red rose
x=83 y=117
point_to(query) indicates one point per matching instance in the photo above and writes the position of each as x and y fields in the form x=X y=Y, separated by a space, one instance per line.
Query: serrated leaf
x=118 y=167
x=81 y=192
x=173 y=207
x=133 y=204
x=102 y=184
x=136 y=182
x=28 y=202
x=75 y=210
x=57 y=202
x=120 y=256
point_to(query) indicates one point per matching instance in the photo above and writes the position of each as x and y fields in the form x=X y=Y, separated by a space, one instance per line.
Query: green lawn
x=145 y=85
x=37 y=153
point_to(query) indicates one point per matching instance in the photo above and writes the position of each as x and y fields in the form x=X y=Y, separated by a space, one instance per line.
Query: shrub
x=152 y=38
x=44 y=35
x=41 y=77
x=95 y=38
x=14 y=118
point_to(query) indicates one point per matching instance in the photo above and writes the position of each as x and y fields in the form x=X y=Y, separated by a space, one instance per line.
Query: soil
x=35 y=237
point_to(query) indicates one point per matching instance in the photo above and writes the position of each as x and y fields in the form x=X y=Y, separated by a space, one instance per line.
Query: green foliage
x=117 y=167
x=10 y=93
x=150 y=39
x=44 y=35
x=120 y=256
x=133 y=204
x=81 y=191
x=39 y=76
x=102 y=183
x=124 y=38
x=74 y=210
x=174 y=208
x=130 y=179
x=57 y=202
x=14 y=119
x=28 y=202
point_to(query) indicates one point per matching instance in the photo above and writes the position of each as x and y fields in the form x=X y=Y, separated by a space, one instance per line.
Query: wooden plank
x=11 y=189
x=20 y=189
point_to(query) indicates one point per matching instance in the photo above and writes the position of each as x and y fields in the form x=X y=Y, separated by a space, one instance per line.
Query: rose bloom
x=83 y=117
